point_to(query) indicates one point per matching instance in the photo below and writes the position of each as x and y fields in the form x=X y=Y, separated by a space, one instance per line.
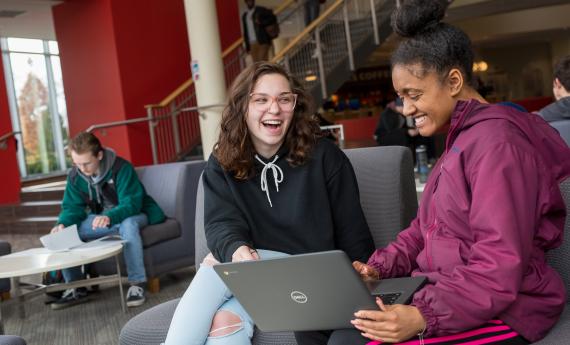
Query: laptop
x=307 y=292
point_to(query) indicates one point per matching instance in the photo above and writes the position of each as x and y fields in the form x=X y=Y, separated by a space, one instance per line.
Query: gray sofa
x=5 y=249
x=560 y=260
x=11 y=340
x=388 y=197
x=563 y=127
x=170 y=245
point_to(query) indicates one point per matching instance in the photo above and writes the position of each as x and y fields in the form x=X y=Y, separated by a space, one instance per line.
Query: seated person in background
x=271 y=186
x=327 y=133
x=559 y=110
x=391 y=129
x=490 y=210
x=108 y=187
x=395 y=130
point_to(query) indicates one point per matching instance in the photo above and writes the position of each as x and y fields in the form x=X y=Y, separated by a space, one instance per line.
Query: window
x=37 y=104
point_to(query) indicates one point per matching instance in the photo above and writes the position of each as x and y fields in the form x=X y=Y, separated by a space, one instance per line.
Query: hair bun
x=414 y=16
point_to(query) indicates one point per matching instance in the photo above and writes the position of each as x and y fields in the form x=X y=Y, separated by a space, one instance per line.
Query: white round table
x=39 y=260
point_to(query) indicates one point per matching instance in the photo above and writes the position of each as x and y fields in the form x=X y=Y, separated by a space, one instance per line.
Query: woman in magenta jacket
x=490 y=210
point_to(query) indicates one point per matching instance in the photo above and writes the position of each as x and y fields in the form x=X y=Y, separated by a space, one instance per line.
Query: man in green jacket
x=104 y=197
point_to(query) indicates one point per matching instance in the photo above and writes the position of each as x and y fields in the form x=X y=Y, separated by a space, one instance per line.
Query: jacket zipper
x=429 y=234
x=428 y=244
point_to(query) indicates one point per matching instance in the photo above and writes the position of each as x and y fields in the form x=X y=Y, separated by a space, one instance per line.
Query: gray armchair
x=5 y=249
x=11 y=340
x=560 y=260
x=170 y=245
x=563 y=127
x=388 y=197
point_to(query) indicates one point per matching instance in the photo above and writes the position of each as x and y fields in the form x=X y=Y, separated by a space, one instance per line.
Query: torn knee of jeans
x=225 y=323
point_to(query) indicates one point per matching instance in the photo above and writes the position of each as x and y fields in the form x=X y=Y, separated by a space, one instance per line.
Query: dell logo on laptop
x=299 y=297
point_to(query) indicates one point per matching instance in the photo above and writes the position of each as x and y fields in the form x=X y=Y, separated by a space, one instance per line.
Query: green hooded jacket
x=116 y=193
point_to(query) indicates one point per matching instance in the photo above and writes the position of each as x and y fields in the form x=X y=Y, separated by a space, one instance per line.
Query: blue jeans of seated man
x=129 y=230
x=206 y=295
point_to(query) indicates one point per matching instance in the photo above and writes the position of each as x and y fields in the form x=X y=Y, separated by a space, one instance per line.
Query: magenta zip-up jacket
x=490 y=209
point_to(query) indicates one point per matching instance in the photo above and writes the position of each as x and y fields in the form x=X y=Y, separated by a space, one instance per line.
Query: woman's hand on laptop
x=245 y=253
x=366 y=272
x=391 y=324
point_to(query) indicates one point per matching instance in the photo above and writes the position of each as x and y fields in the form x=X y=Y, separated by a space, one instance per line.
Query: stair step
x=27 y=225
x=48 y=194
x=38 y=209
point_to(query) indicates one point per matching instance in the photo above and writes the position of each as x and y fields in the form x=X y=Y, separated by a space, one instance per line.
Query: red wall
x=359 y=128
x=119 y=55
x=228 y=21
x=90 y=67
x=9 y=174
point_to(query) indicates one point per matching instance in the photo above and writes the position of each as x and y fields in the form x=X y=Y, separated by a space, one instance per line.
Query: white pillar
x=207 y=66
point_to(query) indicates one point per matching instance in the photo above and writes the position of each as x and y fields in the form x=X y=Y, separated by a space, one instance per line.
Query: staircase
x=36 y=214
x=322 y=56
x=326 y=53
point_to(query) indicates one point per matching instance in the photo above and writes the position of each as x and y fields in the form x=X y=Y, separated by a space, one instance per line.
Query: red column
x=9 y=173
x=119 y=55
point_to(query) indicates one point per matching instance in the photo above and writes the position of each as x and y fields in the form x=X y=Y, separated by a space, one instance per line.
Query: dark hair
x=434 y=45
x=562 y=72
x=85 y=142
x=234 y=149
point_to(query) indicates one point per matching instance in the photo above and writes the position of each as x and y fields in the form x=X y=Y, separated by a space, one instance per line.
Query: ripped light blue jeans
x=207 y=295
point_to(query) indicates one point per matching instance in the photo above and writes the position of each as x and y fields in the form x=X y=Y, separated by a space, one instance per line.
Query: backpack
x=49 y=278
x=268 y=21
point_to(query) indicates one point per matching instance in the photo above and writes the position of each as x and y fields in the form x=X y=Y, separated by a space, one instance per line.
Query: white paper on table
x=68 y=238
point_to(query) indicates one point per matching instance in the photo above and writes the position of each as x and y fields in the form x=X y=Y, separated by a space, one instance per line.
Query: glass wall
x=37 y=104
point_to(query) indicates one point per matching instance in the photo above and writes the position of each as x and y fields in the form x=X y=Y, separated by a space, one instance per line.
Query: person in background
x=257 y=41
x=394 y=129
x=312 y=10
x=491 y=207
x=391 y=129
x=559 y=110
x=108 y=187
x=272 y=186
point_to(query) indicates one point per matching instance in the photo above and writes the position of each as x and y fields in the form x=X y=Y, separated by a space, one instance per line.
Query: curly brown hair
x=234 y=149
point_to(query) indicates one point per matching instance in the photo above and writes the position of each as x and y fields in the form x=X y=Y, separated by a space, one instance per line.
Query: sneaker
x=135 y=296
x=70 y=298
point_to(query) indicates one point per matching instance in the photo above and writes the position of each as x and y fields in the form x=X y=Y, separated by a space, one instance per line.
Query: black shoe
x=135 y=296
x=70 y=298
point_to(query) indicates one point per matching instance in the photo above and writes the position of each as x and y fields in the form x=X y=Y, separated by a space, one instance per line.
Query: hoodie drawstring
x=277 y=176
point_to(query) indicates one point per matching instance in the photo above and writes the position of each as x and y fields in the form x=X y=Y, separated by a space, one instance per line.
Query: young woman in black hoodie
x=272 y=187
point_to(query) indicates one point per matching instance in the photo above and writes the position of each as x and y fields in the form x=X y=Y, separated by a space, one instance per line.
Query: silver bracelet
x=421 y=334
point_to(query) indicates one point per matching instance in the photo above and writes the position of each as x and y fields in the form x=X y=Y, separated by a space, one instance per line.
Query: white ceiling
x=501 y=22
x=484 y=20
x=36 y=21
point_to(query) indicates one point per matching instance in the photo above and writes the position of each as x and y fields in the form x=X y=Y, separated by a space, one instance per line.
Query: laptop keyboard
x=389 y=298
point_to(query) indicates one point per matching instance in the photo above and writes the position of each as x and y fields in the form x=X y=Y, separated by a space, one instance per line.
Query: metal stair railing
x=4 y=139
x=173 y=125
x=160 y=150
x=324 y=54
x=321 y=56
